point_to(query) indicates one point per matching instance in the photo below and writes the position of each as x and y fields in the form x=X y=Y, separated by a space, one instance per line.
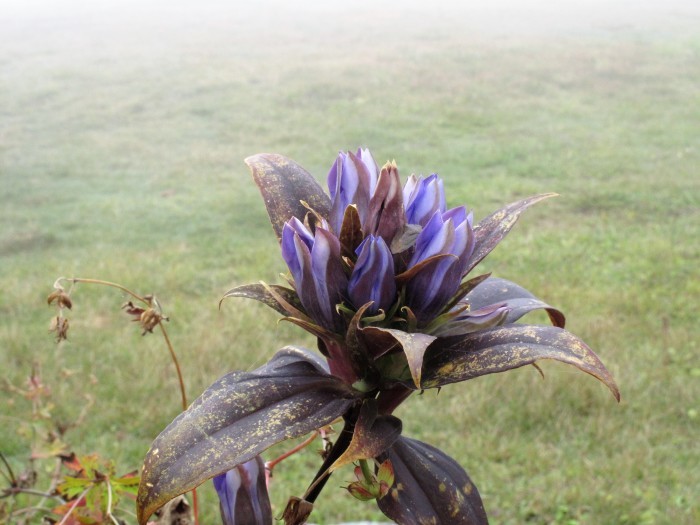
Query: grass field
x=122 y=139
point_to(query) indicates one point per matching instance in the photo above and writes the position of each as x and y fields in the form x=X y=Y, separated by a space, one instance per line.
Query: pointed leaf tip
x=491 y=230
x=287 y=189
x=507 y=347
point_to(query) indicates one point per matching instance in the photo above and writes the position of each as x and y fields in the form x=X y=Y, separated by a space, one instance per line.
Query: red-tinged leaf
x=284 y=184
x=414 y=346
x=260 y=292
x=238 y=417
x=430 y=487
x=385 y=473
x=494 y=290
x=505 y=348
x=71 y=462
x=359 y=491
x=373 y=434
x=70 y=506
x=491 y=230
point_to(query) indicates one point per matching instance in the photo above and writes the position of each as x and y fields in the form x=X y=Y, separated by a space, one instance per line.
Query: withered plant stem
x=171 y=350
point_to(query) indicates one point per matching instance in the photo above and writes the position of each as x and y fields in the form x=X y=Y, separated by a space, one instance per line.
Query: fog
x=520 y=17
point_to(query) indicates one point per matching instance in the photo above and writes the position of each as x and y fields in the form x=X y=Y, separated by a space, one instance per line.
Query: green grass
x=121 y=148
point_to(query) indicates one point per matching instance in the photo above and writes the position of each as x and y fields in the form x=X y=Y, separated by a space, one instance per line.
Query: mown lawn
x=122 y=136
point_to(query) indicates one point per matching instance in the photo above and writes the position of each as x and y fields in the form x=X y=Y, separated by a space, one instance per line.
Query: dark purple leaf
x=507 y=347
x=491 y=230
x=430 y=487
x=236 y=418
x=390 y=397
x=284 y=184
x=373 y=434
x=494 y=290
x=261 y=293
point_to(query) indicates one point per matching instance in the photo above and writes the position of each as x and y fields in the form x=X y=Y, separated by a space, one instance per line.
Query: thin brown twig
x=270 y=465
x=10 y=474
x=183 y=395
x=33 y=492
x=109 y=283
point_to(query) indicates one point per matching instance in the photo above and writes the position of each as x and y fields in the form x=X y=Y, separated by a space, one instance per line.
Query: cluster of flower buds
x=396 y=251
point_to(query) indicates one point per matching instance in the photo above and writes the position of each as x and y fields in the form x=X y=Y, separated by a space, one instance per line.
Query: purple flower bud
x=368 y=160
x=386 y=216
x=372 y=278
x=243 y=496
x=315 y=264
x=351 y=180
x=443 y=248
x=422 y=197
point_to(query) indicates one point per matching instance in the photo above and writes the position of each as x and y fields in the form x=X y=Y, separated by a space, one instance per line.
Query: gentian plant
x=382 y=275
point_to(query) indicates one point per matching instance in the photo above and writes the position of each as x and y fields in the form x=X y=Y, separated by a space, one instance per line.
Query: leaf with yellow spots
x=507 y=347
x=429 y=488
x=287 y=189
x=236 y=418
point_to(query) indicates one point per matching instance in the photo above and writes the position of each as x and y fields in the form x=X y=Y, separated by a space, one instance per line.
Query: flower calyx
x=372 y=485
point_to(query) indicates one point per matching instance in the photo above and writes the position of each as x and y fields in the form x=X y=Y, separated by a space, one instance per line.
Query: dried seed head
x=60 y=325
x=61 y=297
x=148 y=318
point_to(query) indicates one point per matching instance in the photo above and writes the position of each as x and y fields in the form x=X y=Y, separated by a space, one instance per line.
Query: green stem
x=366 y=472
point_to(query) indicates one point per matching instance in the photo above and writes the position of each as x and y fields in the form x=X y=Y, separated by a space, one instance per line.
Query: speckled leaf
x=500 y=349
x=373 y=434
x=261 y=293
x=494 y=290
x=414 y=346
x=491 y=230
x=284 y=184
x=236 y=418
x=430 y=488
